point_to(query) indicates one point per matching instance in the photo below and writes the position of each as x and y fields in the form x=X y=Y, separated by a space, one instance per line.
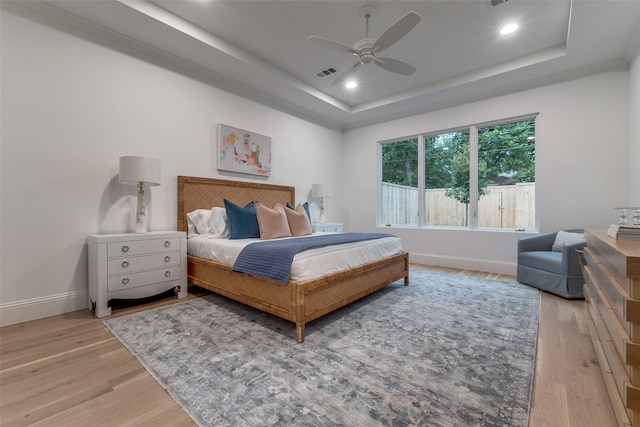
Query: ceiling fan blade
x=333 y=45
x=347 y=73
x=395 y=66
x=396 y=31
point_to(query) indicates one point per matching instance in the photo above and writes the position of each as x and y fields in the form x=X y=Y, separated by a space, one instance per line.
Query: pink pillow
x=298 y=221
x=272 y=222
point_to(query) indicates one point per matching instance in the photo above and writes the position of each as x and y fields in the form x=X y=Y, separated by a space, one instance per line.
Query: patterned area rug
x=447 y=350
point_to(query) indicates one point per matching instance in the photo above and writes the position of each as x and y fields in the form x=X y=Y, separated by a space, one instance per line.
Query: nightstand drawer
x=126 y=281
x=132 y=264
x=116 y=249
x=144 y=291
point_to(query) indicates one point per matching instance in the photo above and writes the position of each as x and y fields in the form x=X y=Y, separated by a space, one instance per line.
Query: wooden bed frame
x=298 y=302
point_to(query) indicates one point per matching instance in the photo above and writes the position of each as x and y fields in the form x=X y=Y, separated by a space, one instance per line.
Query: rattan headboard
x=205 y=193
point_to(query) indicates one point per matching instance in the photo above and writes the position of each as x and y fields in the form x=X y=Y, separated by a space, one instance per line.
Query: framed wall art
x=243 y=151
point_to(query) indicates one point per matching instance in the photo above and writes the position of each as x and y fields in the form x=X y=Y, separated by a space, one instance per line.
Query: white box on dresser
x=326 y=227
x=131 y=266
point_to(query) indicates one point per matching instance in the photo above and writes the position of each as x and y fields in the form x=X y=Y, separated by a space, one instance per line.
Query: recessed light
x=351 y=84
x=508 y=29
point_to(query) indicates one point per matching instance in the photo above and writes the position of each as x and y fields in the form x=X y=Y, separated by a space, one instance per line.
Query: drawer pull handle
x=167 y=258
x=125 y=280
x=167 y=243
x=125 y=248
x=125 y=264
x=167 y=273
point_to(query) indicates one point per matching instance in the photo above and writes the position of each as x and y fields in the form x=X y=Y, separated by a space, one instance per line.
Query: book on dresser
x=624 y=232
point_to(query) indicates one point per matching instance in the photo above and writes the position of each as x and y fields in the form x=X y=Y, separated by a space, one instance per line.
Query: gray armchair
x=555 y=272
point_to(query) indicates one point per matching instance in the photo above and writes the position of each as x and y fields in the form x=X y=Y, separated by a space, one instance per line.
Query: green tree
x=504 y=151
x=400 y=163
x=440 y=150
x=460 y=187
x=508 y=151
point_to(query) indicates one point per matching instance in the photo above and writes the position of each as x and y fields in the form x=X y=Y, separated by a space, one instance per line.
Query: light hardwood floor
x=70 y=370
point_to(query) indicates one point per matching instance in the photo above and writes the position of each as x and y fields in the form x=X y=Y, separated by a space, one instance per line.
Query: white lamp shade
x=321 y=190
x=135 y=169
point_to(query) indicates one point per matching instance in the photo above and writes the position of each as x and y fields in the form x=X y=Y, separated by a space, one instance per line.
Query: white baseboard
x=476 y=264
x=37 y=308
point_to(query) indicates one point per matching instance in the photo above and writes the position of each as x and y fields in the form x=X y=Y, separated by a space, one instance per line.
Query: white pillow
x=218 y=224
x=211 y=223
x=564 y=238
x=198 y=222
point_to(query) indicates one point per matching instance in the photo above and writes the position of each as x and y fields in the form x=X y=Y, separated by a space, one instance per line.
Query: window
x=477 y=177
x=507 y=175
x=446 y=178
x=400 y=183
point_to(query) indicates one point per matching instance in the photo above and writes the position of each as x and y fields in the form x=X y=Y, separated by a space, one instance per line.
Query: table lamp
x=321 y=191
x=140 y=171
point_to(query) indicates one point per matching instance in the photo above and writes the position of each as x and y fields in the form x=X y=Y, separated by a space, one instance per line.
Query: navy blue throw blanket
x=272 y=259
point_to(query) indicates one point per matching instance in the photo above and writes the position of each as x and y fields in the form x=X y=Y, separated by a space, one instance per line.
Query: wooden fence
x=504 y=206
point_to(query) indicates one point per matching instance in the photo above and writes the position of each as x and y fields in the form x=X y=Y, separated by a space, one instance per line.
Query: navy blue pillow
x=243 y=222
x=305 y=205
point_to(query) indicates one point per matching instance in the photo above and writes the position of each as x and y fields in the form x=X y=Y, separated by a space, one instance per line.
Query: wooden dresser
x=612 y=292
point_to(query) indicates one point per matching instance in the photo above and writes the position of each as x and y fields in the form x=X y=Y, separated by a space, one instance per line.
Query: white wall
x=72 y=105
x=634 y=152
x=582 y=167
x=70 y=108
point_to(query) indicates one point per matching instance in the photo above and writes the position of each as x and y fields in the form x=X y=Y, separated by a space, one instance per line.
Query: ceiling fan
x=367 y=49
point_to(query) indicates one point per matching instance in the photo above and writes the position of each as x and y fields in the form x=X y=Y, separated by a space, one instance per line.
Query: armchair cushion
x=543 y=260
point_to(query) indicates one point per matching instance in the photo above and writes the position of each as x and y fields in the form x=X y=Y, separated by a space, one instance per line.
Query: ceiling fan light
x=508 y=29
x=367 y=58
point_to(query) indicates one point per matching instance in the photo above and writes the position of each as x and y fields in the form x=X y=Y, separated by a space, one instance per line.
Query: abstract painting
x=243 y=151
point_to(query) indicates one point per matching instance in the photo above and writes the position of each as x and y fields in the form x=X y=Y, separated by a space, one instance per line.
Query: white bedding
x=308 y=264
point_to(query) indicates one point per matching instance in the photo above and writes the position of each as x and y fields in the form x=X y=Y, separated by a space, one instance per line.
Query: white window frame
x=473 y=178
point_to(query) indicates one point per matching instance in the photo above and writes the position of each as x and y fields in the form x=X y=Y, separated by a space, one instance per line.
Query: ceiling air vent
x=327 y=72
x=494 y=3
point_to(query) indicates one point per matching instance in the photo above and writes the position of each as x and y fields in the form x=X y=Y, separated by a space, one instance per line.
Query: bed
x=299 y=301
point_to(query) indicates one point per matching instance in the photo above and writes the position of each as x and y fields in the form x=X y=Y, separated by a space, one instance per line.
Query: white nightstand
x=327 y=227
x=127 y=266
